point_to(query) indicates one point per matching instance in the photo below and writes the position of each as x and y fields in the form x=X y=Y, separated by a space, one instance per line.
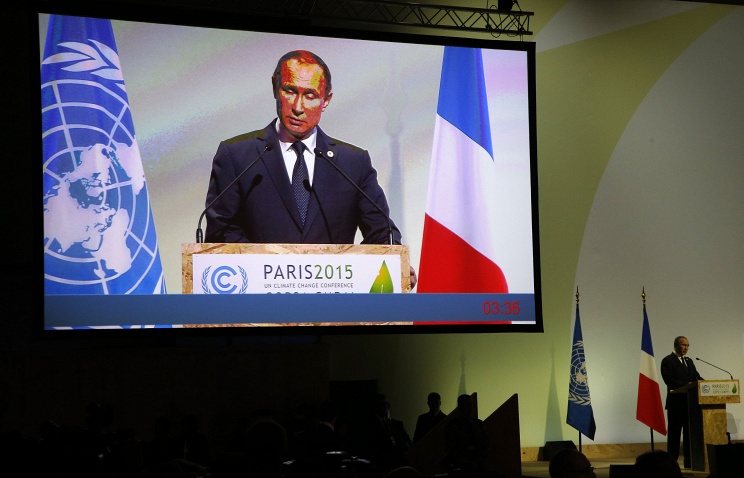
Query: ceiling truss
x=499 y=18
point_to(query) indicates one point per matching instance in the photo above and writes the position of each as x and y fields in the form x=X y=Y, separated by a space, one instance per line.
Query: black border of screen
x=234 y=19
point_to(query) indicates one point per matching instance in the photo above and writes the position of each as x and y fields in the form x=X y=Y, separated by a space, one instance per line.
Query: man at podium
x=677 y=370
x=296 y=184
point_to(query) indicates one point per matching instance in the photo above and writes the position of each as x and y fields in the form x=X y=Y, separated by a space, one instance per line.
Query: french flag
x=649 y=410
x=458 y=252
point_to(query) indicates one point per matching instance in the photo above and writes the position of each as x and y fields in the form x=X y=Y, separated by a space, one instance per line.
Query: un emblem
x=99 y=234
x=578 y=391
x=224 y=280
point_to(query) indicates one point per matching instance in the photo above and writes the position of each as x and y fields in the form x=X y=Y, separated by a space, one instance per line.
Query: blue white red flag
x=458 y=251
x=99 y=233
x=649 y=409
x=580 y=414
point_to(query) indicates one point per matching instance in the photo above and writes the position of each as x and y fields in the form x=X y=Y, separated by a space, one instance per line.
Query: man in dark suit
x=678 y=370
x=466 y=440
x=263 y=207
x=426 y=421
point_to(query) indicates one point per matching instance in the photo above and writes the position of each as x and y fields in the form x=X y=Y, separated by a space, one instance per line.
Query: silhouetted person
x=323 y=436
x=426 y=421
x=466 y=440
x=163 y=447
x=383 y=440
x=570 y=463
x=402 y=439
x=320 y=451
x=656 y=464
x=193 y=442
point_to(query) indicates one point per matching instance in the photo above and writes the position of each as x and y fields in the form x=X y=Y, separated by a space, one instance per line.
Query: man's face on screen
x=300 y=97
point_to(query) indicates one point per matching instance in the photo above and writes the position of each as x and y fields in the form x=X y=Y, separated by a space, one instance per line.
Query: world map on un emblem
x=99 y=235
x=578 y=391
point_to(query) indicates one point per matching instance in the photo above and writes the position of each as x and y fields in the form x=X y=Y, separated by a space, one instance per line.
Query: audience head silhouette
x=434 y=401
x=465 y=405
x=656 y=464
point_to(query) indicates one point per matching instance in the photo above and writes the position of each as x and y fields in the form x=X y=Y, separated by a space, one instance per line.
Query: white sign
x=296 y=273
x=722 y=388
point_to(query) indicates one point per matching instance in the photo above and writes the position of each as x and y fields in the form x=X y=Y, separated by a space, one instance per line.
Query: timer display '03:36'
x=501 y=308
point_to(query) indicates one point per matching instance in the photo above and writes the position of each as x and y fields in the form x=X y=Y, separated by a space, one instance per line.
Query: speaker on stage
x=621 y=471
x=553 y=447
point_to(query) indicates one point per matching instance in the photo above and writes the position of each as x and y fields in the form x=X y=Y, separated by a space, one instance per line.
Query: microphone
x=318 y=152
x=719 y=368
x=199 y=233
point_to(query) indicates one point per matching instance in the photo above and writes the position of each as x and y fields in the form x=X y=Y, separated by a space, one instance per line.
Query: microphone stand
x=199 y=233
x=318 y=152
x=719 y=368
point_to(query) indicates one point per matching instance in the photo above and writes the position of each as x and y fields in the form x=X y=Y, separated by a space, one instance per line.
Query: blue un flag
x=99 y=233
x=580 y=414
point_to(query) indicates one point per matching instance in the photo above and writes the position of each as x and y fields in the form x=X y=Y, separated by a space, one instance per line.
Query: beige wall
x=640 y=164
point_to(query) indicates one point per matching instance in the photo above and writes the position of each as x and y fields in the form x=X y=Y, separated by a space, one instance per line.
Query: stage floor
x=539 y=469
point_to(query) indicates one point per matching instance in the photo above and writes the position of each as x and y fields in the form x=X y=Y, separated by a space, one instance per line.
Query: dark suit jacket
x=425 y=422
x=261 y=207
x=675 y=374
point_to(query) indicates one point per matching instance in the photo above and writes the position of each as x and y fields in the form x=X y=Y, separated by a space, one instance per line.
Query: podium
x=311 y=266
x=706 y=407
x=280 y=285
x=294 y=268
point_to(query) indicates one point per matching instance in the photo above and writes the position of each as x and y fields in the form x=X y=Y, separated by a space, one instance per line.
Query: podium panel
x=706 y=405
x=294 y=268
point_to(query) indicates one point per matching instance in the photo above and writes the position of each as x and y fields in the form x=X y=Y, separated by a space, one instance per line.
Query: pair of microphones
x=306 y=185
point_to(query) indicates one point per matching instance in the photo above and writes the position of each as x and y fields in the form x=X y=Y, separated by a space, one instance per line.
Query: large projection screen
x=194 y=84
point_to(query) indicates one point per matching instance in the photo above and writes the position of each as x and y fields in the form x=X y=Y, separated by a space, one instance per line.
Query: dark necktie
x=687 y=369
x=299 y=176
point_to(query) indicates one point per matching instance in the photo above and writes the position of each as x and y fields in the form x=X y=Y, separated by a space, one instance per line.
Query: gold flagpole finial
x=577 y=295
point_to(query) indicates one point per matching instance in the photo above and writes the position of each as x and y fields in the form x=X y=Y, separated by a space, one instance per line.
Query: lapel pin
x=329 y=154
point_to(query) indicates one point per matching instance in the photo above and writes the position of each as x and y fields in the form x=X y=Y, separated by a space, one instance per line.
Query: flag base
x=553 y=447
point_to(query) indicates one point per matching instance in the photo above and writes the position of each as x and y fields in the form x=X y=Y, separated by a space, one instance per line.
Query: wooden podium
x=397 y=253
x=280 y=285
x=396 y=256
x=706 y=405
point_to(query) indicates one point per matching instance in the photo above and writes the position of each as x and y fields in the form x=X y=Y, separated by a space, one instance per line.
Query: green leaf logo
x=733 y=390
x=383 y=283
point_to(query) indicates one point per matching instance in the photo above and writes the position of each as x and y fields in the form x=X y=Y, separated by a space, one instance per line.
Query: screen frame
x=205 y=17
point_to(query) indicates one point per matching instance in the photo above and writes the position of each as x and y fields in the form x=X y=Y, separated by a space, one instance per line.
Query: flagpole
x=579 y=414
x=643 y=299
x=577 y=306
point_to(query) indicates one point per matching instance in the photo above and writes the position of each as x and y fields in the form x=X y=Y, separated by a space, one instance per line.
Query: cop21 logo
x=224 y=280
